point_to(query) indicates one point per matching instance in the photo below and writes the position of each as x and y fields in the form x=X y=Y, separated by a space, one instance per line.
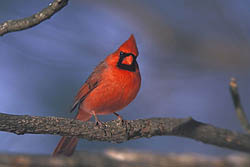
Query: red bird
x=113 y=84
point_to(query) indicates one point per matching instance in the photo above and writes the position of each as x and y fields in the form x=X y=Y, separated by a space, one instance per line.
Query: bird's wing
x=90 y=84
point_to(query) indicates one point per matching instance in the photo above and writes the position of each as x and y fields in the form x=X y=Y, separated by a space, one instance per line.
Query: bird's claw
x=121 y=121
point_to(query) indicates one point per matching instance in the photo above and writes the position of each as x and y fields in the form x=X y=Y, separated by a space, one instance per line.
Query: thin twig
x=237 y=104
x=115 y=131
x=28 y=22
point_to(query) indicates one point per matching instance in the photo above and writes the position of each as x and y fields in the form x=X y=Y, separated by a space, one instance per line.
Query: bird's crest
x=129 y=46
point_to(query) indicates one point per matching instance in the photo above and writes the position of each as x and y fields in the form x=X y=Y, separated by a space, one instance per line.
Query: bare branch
x=114 y=158
x=28 y=22
x=237 y=104
x=115 y=131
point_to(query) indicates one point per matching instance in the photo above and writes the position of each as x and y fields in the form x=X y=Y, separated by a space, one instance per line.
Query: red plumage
x=113 y=84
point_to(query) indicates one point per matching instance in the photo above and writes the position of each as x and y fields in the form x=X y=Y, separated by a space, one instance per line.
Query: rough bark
x=116 y=131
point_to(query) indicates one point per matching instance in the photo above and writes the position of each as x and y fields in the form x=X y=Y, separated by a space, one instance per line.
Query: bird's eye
x=122 y=53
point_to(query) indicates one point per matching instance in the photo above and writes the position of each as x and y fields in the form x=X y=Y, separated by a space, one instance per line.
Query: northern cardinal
x=113 y=84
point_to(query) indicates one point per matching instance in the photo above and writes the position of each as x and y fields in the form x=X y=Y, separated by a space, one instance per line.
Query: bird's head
x=125 y=56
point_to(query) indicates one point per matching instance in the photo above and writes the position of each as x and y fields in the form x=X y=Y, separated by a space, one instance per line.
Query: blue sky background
x=189 y=50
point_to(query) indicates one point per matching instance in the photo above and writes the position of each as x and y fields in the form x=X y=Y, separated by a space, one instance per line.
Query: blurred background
x=189 y=50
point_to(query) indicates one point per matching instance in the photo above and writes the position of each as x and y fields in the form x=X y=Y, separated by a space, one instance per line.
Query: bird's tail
x=67 y=145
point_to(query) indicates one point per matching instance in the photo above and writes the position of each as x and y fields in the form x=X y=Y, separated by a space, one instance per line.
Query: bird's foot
x=121 y=120
x=97 y=121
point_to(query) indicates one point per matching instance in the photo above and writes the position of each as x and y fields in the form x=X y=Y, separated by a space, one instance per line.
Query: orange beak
x=127 y=60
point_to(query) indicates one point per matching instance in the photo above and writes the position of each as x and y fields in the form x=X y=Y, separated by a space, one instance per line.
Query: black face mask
x=131 y=67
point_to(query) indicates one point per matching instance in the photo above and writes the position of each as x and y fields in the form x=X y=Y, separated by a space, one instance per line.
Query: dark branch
x=115 y=131
x=238 y=107
x=28 y=22
x=114 y=158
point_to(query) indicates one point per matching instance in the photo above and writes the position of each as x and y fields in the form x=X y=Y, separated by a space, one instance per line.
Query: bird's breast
x=115 y=91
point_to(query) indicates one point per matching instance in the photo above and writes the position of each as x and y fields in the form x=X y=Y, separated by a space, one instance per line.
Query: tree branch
x=28 y=22
x=238 y=107
x=114 y=158
x=115 y=131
